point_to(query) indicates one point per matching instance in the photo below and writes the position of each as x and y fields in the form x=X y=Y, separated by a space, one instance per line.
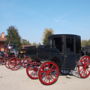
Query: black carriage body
x=63 y=49
x=69 y=47
x=86 y=50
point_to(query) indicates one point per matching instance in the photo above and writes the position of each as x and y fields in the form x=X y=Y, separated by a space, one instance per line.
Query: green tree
x=13 y=37
x=25 y=42
x=34 y=44
x=85 y=42
x=88 y=42
x=47 y=33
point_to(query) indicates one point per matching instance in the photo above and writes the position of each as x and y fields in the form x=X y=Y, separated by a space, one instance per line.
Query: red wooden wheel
x=48 y=73
x=1 y=60
x=32 y=72
x=25 y=61
x=84 y=66
x=14 y=64
x=32 y=69
x=11 y=63
x=7 y=64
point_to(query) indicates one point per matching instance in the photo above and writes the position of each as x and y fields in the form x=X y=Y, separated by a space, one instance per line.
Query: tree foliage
x=85 y=43
x=13 y=37
x=47 y=33
x=36 y=44
x=25 y=42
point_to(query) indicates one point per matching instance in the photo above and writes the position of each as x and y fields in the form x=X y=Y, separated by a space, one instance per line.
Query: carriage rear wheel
x=84 y=67
x=48 y=73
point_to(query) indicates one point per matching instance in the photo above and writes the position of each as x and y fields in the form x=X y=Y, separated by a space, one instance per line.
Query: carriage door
x=69 y=54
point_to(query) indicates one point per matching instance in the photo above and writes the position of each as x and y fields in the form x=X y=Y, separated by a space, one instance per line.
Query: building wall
x=2 y=46
x=2 y=42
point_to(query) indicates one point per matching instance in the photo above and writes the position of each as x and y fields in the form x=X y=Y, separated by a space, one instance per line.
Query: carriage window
x=69 y=44
x=59 y=44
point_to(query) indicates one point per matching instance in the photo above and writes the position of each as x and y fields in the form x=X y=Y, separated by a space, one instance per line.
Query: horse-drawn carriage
x=60 y=56
x=46 y=62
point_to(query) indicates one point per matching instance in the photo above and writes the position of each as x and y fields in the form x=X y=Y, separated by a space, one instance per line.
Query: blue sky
x=31 y=17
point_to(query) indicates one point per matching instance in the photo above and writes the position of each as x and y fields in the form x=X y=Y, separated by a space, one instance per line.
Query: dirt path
x=18 y=80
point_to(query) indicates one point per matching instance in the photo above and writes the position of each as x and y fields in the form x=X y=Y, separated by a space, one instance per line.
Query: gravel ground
x=18 y=80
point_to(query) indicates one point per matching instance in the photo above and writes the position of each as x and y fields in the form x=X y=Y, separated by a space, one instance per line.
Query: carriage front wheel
x=32 y=69
x=48 y=73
